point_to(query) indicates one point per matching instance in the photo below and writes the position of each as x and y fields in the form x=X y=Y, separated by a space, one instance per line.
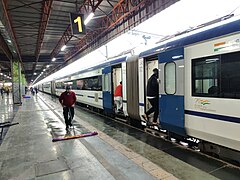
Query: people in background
x=153 y=96
x=7 y=91
x=68 y=100
x=118 y=98
x=1 y=92
x=32 y=91
x=36 y=90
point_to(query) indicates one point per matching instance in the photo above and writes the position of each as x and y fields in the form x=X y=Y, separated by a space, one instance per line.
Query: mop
x=6 y=124
x=74 y=136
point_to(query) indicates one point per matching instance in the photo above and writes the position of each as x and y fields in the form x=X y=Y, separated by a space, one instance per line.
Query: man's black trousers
x=155 y=108
x=68 y=116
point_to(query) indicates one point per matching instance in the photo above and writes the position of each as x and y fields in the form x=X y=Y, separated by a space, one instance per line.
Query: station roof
x=33 y=31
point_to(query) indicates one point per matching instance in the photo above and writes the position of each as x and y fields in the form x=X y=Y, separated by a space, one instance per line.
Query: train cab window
x=217 y=76
x=170 y=78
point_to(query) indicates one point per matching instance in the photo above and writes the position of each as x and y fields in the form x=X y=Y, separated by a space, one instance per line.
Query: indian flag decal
x=227 y=46
x=219 y=46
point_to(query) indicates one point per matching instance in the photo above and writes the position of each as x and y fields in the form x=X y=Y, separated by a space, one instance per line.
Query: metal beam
x=125 y=15
x=4 y=47
x=27 y=4
x=47 y=4
x=87 y=7
x=46 y=10
x=10 y=27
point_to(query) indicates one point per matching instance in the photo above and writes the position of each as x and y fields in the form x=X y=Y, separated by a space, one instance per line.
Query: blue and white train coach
x=200 y=85
x=199 y=89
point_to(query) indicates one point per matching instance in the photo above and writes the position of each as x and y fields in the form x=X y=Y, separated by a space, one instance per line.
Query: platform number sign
x=77 y=24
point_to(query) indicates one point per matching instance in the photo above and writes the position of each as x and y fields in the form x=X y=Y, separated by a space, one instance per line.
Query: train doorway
x=117 y=80
x=150 y=65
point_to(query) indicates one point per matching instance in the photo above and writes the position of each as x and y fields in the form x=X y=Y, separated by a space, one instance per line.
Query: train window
x=80 y=84
x=205 y=76
x=230 y=75
x=91 y=83
x=170 y=78
x=217 y=76
x=106 y=82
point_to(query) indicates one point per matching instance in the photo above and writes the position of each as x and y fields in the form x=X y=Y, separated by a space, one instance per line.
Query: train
x=199 y=86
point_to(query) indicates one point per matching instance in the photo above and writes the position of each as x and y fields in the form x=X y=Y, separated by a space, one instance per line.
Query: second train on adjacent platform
x=199 y=86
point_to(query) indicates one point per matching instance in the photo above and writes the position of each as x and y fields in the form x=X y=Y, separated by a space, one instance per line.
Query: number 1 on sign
x=79 y=21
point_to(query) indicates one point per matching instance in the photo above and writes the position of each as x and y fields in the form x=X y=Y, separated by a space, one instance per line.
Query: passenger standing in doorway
x=153 y=96
x=118 y=97
x=68 y=100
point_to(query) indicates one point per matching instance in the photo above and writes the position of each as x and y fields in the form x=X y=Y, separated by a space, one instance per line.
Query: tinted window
x=217 y=76
x=92 y=83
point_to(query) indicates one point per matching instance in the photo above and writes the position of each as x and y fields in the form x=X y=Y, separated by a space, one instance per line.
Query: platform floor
x=27 y=151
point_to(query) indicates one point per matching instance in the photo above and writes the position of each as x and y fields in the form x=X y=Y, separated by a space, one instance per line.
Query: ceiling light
x=90 y=16
x=9 y=41
x=34 y=73
x=63 y=48
x=54 y=59
x=47 y=66
x=44 y=70
x=1 y=73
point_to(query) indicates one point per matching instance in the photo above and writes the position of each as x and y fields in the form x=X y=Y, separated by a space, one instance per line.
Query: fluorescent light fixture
x=63 y=48
x=54 y=59
x=47 y=66
x=176 y=57
x=34 y=73
x=90 y=16
x=9 y=41
x=44 y=70
x=184 y=8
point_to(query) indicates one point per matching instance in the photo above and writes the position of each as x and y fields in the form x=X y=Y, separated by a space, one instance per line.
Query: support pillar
x=16 y=82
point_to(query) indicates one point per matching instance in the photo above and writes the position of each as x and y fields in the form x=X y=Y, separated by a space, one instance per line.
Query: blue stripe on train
x=213 y=116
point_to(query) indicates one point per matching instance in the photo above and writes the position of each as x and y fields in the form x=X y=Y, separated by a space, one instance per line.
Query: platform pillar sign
x=16 y=82
x=77 y=24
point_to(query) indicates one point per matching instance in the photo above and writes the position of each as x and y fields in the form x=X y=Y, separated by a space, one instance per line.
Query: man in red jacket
x=118 y=97
x=67 y=100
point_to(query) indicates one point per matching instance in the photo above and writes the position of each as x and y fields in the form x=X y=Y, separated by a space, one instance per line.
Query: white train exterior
x=199 y=74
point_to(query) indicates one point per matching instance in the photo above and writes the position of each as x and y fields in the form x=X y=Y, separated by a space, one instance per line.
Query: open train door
x=107 y=89
x=171 y=65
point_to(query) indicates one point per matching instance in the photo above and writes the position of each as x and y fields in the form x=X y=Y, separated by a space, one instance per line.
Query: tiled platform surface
x=28 y=152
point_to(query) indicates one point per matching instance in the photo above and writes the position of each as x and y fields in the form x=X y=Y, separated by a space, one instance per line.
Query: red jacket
x=118 y=91
x=68 y=98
